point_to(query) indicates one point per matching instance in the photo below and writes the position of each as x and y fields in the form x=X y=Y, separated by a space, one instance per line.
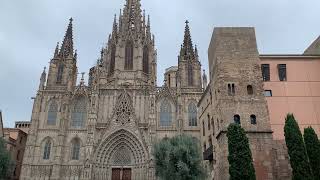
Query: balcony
x=208 y=154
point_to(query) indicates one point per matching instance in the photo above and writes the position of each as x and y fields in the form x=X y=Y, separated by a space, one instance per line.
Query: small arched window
x=253 y=119
x=128 y=65
x=190 y=75
x=79 y=113
x=47 y=150
x=60 y=73
x=236 y=119
x=75 y=151
x=146 y=59
x=250 y=90
x=165 y=114
x=192 y=114
x=112 y=58
x=52 y=113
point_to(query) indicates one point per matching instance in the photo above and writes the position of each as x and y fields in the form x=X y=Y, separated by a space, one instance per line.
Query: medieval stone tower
x=237 y=89
x=105 y=129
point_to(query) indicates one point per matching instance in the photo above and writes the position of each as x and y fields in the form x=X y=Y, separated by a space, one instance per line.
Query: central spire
x=187 y=42
x=132 y=14
x=187 y=51
x=67 y=44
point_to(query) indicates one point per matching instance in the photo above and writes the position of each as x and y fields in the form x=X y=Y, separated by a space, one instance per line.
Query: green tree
x=313 y=150
x=296 y=150
x=178 y=158
x=5 y=161
x=240 y=158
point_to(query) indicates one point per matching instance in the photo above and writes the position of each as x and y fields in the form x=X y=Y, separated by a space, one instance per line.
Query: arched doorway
x=121 y=156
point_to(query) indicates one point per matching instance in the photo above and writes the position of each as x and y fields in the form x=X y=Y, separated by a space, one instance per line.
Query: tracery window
x=122 y=157
x=146 y=59
x=60 y=73
x=128 y=65
x=79 y=113
x=165 y=114
x=190 y=75
x=113 y=59
x=47 y=150
x=75 y=152
x=52 y=113
x=192 y=114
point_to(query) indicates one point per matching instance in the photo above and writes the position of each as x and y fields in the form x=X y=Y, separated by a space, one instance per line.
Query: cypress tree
x=296 y=150
x=313 y=150
x=240 y=157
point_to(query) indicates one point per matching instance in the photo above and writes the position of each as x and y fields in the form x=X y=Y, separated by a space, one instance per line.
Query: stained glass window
x=165 y=114
x=192 y=114
x=79 y=113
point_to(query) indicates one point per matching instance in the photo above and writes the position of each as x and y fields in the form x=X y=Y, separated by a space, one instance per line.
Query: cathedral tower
x=130 y=55
x=63 y=68
x=188 y=63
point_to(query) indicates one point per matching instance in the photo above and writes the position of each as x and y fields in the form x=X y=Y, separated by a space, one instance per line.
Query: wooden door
x=126 y=174
x=116 y=174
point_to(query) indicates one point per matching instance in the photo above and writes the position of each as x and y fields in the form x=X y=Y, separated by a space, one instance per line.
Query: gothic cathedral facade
x=105 y=129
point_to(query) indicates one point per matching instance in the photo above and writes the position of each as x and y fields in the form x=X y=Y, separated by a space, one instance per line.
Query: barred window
x=265 y=68
x=146 y=59
x=282 y=70
x=75 y=149
x=128 y=65
x=192 y=114
x=165 y=113
x=79 y=113
x=52 y=113
x=47 y=150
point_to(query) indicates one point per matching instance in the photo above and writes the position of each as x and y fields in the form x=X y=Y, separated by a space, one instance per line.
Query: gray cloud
x=30 y=29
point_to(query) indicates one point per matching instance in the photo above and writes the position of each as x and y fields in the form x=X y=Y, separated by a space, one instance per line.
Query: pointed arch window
x=47 y=150
x=60 y=73
x=79 y=113
x=192 y=114
x=146 y=59
x=112 y=58
x=52 y=113
x=75 y=151
x=190 y=75
x=165 y=114
x=128 y=65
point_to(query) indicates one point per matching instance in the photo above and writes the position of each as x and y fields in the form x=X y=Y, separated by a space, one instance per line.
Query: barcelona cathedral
x=104 y=128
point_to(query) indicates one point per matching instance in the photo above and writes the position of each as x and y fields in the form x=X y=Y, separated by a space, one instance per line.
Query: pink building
x=292 y=85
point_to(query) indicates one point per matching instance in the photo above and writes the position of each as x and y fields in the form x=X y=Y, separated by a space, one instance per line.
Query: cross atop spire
x=187 y=46
x=67 y=45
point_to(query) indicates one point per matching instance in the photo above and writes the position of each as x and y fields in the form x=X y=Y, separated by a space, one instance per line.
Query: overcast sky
x=30 y=29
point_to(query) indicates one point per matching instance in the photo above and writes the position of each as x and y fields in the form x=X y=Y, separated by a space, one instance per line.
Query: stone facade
x=235 y=94
x=16 y=142
x=106 y=129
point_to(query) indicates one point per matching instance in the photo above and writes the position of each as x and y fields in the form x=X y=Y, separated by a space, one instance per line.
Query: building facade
x=106 y=129
x=15 y=142
x=257 y=92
